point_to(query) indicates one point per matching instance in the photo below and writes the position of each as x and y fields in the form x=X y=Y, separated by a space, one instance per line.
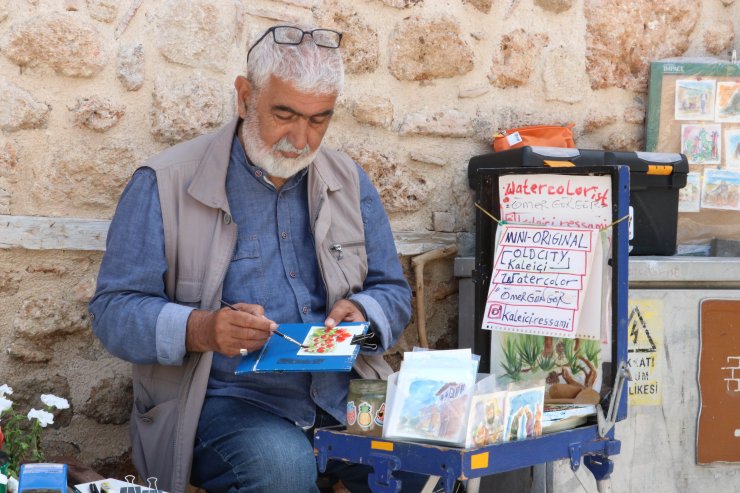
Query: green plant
x=22 y=432
x=512 y=364
x=530 y=348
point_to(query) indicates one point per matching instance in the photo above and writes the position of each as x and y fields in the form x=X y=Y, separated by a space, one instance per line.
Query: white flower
x=54 y=401
x=4 y=389
x=3 y=478
x=5 y=404
x=45 y=418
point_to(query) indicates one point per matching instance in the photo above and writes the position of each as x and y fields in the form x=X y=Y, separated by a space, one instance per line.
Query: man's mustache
x=284 y=145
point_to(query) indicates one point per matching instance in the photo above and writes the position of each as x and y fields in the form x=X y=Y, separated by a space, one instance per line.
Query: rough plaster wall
x=90 y=88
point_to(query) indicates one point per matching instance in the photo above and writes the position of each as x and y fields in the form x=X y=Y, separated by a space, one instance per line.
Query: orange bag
x=536 y=135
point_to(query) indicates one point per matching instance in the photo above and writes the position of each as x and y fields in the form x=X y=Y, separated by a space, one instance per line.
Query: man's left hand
x=343 y=311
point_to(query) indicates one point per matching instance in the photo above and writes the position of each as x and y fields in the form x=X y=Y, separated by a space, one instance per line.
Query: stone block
x=130 y=66
x=19 y=109
x=4 y=201
x=82 y=179
x=60 y=41
x=183 y=109
x=719 y=38
x=373 y=110
x=516 y=57
x=427 y=158
x=102 y=10
x=423 y=49
x=625 y=140
x=445 y=123
x=360 y=46
x=10 y=282
x=595 y=121
x=482 y=5
x=46 y=318
x=401 y=188
x=647 y=31
x=8 y=159
x=555 y=6
x=473 y=92
x=565 y=76
x=635 y=114
x=97 y=113
x=110 y=401
x=401 y=4
x=443 y=221
x=198 y=33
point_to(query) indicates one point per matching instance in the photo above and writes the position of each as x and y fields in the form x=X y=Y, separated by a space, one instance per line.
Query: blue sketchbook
x=324 y=349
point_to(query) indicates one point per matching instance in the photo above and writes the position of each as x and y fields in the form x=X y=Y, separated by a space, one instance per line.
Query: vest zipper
x=337 y=247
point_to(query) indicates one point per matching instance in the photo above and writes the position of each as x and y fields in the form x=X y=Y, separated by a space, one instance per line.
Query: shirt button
x=258 y=173
x=284 y=234
x=227 y=218
x=305 y=310
x=292 y=273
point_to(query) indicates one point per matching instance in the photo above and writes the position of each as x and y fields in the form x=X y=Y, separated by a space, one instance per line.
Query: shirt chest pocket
x=246 y=274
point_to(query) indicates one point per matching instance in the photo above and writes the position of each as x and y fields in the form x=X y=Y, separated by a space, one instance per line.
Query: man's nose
x=298 y=136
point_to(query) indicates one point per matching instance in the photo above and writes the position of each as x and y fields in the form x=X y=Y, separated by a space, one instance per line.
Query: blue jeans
x=242 y=448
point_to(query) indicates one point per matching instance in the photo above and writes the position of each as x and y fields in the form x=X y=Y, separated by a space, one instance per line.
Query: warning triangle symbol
x=639 y=336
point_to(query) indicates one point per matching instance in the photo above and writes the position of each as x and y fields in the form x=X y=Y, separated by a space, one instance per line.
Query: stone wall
x=90 y=88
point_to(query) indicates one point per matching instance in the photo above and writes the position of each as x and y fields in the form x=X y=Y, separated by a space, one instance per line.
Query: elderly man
x=260 y=215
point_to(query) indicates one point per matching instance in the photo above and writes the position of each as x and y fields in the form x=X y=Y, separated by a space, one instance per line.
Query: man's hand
x=343 y=311
x=227 y=331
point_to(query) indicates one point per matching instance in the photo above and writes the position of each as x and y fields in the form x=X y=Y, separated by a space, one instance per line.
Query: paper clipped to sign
x=541 y=281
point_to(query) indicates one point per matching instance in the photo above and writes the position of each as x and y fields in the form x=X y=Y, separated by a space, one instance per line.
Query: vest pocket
x=351 y=259
x=189 y=291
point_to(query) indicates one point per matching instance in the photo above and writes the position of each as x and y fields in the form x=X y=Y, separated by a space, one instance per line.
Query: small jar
x=366 y=407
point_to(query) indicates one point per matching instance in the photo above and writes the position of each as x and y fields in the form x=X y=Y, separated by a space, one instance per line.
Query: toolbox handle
x=659 y=169
x=558 y=164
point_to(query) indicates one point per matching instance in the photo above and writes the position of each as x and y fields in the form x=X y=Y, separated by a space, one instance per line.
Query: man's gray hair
x=308 y=67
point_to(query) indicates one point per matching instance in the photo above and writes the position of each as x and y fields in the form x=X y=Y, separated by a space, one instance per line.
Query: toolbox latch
x=659 y=169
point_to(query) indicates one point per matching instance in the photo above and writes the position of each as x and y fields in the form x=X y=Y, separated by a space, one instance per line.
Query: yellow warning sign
x=645 y=338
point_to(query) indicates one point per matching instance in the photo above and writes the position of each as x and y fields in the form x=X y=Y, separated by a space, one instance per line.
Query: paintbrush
x=276 y=332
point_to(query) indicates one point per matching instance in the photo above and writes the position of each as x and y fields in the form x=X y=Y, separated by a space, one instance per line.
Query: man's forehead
x=278 y=92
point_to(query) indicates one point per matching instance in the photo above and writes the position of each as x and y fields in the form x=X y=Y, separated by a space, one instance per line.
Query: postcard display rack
x=590 y=444
x=694 y=109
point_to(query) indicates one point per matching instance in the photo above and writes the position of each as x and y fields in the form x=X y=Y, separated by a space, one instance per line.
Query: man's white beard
x=270 y=159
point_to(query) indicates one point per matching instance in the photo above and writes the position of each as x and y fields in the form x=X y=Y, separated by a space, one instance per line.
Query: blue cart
x=591 y=444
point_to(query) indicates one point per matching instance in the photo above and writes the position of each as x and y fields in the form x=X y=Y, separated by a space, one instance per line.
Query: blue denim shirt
x=274 y=265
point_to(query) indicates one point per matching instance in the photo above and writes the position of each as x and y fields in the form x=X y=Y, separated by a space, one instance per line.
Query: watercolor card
x=721 y=189
x=689 y=197
x=695 y=99
x=732 y=148
x=727 y=108
x=702 y=143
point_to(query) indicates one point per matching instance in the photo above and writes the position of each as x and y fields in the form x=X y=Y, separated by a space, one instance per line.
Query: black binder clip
x=365 y=341
x=130 y=489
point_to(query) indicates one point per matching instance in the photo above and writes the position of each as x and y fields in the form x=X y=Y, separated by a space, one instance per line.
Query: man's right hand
x=228 y=331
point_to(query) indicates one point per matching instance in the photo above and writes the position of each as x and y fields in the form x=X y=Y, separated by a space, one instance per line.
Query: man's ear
x=243 y=94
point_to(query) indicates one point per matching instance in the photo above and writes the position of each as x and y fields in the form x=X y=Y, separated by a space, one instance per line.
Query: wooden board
x=718 y=430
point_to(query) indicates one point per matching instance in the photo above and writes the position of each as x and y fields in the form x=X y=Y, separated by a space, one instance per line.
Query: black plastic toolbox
x=655 y=179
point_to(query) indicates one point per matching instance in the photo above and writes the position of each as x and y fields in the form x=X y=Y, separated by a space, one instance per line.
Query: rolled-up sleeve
x=131 y=313
x=386 y=295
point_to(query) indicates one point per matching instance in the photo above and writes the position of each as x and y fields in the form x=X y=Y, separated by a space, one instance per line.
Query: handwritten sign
x=540 y=279
x=571 y=201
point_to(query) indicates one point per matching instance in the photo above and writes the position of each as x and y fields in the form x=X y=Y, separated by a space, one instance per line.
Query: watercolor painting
x=732 y=147
x=690 y=195
x=524 y=413
x=721 y=189
x=695 y=99
x=702 y=143
x=728 y=102
x=434 y=410
x=486 y=421
x=335 y=342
